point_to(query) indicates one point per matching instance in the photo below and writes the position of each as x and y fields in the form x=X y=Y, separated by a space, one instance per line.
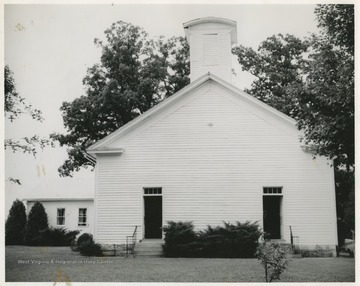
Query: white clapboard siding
x=71 y=207
x=212 y=153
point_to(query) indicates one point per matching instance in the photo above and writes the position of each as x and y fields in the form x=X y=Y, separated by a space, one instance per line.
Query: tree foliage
x=15 y=224
x=327 y=98
x=277 y=66
x=14 y=107
x=327 y=101
x=36 y=223
x=337 y=22
x=312 y=80
x=135 y=73
x=14 y=104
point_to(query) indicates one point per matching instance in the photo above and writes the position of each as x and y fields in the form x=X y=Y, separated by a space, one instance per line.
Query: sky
x=50 y=47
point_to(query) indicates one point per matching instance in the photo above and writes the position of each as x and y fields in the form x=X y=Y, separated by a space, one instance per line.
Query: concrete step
x=148 y=253
x=151 y=241
x=149 y=248
x=142 y=248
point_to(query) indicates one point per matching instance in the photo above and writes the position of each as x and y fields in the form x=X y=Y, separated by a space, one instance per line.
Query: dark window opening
x=152 y=191
x=272 y=190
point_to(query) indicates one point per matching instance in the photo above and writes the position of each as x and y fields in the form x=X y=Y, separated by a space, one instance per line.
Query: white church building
x=212 y=153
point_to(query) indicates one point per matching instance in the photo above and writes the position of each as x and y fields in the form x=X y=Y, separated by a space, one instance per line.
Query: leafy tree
x=15 y=224
x=316 y=88
x=337 y=22
x=327 y=113
x=14 y=106
x=327 y=99
x=349 y=213
x=36 y=223
x=135 y=73
x=313 y=81
x=277 y=66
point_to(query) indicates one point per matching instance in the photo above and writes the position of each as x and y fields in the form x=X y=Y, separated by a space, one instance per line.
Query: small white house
x=69 y=213
x=212 y=153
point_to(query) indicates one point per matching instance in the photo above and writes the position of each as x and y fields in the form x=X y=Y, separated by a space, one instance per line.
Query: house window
x=210 y=49
x=82 y=217
x=272 y=190
x=60 y=218
x=152 y=191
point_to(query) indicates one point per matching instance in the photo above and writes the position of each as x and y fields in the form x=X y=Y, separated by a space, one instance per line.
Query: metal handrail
x=130 y=247
x=294 y=241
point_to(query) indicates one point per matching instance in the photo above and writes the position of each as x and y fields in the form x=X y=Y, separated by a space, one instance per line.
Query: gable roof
x=101 y=146
x=29 y=200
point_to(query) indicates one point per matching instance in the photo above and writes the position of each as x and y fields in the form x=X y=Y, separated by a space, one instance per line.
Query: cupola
x=210 y=40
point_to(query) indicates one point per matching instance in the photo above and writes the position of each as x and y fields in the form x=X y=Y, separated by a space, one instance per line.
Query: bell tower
x=210 y=40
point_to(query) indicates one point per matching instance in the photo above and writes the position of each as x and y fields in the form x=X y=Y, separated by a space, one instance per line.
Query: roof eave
x=230 y=23
x=208 y=20
x=99 y=147
x=115 y=151
x=56 y=199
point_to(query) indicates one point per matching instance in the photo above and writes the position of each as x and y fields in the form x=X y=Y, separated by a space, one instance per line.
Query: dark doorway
x=153 y=216
x=271 y=216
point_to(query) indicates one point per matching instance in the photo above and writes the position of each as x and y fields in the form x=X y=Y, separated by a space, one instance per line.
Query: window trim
x=281 y=188
x=84 y=223
x=158 y=189
x=58 y=217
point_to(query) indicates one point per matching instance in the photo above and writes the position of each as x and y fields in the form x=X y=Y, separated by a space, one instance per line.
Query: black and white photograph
x=179 y=142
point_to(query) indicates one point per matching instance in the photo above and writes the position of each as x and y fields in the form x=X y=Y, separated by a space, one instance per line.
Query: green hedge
x=238 y=240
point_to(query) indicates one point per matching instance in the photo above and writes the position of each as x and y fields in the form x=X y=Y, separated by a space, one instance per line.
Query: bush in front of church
x=239 y=240
x=87 y=246
x=57 y=237
x=180 y=239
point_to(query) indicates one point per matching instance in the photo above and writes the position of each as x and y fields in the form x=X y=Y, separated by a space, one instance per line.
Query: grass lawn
x=55 y=264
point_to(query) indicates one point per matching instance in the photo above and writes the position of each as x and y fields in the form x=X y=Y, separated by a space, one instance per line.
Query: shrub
x=15 y=224
x=239 y=240
x=85 y=238
x=179 y=232
x=87 y=246
x=273 y=258
x=57 y=237
x=37 y=223
x=92 y=249
x=180 y=239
